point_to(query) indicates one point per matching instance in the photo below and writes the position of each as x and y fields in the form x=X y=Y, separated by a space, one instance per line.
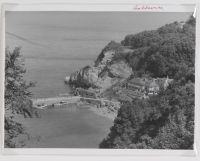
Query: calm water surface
x=56 y=44
x=67 y=128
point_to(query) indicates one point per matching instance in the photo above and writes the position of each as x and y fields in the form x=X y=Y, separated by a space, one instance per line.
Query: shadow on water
x=68 y=126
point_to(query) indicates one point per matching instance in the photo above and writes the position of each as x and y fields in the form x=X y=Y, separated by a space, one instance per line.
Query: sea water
x=56 y=44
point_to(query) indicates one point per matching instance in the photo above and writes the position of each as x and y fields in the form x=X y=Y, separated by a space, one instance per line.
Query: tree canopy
x=17 y=94
x=166 y=120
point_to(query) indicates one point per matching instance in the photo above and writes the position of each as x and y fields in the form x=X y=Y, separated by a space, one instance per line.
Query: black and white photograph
x=108 y=80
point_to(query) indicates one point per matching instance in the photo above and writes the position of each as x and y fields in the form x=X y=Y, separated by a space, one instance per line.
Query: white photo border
x=111 y=5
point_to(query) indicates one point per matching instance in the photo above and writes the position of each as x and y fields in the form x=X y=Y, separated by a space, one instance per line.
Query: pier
x=41 y=103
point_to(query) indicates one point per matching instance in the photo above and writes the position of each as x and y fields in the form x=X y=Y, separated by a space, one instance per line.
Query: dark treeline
x=17 y=96
x=164 y=121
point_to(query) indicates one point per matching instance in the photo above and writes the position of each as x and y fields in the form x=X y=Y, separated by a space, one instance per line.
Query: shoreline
x=55 y=102
x=103 y=111
x=41 y=103
x=95 y=105
x=64 y=123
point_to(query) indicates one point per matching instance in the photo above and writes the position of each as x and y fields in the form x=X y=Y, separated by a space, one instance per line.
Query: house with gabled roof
x=153 y=87
x=157 y=83
x=147 y=86
x=137 y=84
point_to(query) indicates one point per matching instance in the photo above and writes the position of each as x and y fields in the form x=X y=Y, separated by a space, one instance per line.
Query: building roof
x=153 y=84
x=150 y=83
x=138 y=81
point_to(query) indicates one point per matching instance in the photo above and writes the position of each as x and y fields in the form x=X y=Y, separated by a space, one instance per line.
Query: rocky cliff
x=153 y=54
x=106 y=72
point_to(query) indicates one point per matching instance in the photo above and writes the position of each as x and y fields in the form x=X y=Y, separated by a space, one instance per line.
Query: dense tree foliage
x=166 y=120
x=16 y=95
x=163 y=121
x=159 y=52
x=111 y=46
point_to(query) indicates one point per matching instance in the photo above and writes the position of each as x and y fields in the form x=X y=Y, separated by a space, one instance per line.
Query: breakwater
x=41 y=103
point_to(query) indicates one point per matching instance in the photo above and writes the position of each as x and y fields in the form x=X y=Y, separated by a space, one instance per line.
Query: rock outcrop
x=106 y=72
x=148 y=54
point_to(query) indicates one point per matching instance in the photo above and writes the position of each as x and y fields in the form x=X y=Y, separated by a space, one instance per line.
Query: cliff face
x=105 y=73
x=154 y=54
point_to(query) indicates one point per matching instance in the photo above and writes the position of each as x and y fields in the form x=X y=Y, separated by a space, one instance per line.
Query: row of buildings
x=134 y=88
x=148 y=86
x=141 y=88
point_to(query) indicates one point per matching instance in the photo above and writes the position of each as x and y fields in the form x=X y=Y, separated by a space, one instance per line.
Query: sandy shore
x=103 y=111
x=43 y=103
x=54 y=102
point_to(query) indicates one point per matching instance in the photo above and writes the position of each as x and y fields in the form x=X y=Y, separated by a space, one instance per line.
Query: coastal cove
x=100 y=78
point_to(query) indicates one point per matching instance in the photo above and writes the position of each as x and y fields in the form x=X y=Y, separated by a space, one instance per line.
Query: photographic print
x=109 y=80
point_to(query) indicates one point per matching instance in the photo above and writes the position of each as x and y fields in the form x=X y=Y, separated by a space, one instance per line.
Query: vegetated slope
x=166 y=120
x=17 y=98
x=157 y=53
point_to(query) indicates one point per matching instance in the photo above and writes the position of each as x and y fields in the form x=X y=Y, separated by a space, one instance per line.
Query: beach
x=60 y=102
